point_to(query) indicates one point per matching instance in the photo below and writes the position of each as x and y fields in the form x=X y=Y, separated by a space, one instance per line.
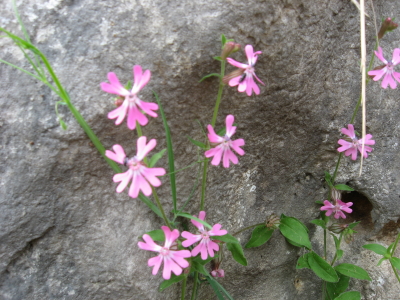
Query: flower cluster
x=173 y=258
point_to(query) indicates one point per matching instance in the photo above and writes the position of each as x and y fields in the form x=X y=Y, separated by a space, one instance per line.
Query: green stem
x=183 y=293
x=213 y=121
x=393 y=251
x=195 y=285
x=249 y=227
x=338 y=248
x=325 y=253
x=160 y=207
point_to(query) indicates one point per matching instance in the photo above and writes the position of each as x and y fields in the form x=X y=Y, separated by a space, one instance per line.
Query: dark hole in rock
x=361 y=209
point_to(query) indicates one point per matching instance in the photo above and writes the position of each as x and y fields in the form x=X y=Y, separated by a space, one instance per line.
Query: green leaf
x=379 y=249
x=171 y=281
x=381 y=261
x=321 y=268
x=156 y=157
x=157 y=235
x=334 y=289
x=216 y=289
x=227 y=238
x=343 y=187
x=319 y=202
x=302 y=262
x=353 y=271
x=151 y=205
x=62 y=123
x=237 y=253
x=128 y=85
x=260 y=235
x=223 y=40
x=218 y=58
x=199 y=268
x=200 y=261
x=217 y=286
x=352 y=295
x=337 y=242
x=352 y=225
x=339 y=254
x=395 y=262
x=197 y=143
x=328 y=178
x=294 y=230
x=222 y=131
x=171 y=159
x=188 y=216
x=211 y=75
x=319 y=222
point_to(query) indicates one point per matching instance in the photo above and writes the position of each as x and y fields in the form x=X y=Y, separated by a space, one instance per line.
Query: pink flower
x=245 y=81
x=142 y=176
x=387 y=70
x=337 y=208
x=206 y=244
x=350 y=147
x=132 y=105
x=169 y=254
x=224 y=144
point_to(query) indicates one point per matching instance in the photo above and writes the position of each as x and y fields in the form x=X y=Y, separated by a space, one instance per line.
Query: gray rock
x=66 y=234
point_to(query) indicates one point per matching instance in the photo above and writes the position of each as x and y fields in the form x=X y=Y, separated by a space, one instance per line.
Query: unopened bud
x=335 y=194
x=229 y=48
x=337 y=228
x=387 y=26
x=118 y=101
x=273 y=221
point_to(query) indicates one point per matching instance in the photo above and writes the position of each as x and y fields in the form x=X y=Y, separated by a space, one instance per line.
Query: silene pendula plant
x=179 y=253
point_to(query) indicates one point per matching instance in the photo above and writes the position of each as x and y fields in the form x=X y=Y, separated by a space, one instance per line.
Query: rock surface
x=66 y=234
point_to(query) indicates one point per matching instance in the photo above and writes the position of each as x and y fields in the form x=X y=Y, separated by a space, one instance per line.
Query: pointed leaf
x=339 y=254
x=353 y=271
x=354 y=224
x=302 y=262
x=381 y=261
x=227 y=238
x=395 y=262
x=321 y=268
x=210 y=75
x=319 y=222
x=223 y=40
x=343 y=187
x=237 y=253
x=334 y=289
x=156 y=157
x=157 y=235
x=379 y=249
x=199 y=268
x=260 y=235
x=217 y=58
x=328 y=178
x=171 y=281
x=337 y=242
x=352 y=295
x=197 y=143
x=295 y=231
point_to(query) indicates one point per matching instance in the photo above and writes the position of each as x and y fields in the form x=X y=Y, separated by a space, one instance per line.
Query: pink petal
x=151 y=173
x=230 y=130
x=378 y=74
x=156 y=262
x=212 y=136
x=200 y=226
x=137 y=74
x=179 y=257
x=124 y=178
x=235 y=145
x=249 y=53
x=352 y=152
x=396 y=56
x=190 y=238
x=139 y=184
x=396 y=76
x=139 y=79
x=235 y=81
x=170 y=266
x=142 y=148
x=114 y=87
x=236 y=63
x=388 y=80
x=215 y=231
x=149 y=244
x=217 y=153
x=212 y=246
x=148 y=108
x=118 y=156
x=170 y=236
x=350 y=131
x=134 y=114
x=119 y=113
x=379 y=54
x=229 y=156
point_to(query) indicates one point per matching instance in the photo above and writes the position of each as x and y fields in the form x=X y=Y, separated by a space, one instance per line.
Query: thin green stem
x=395 y=271
x=338 y=248
x=183 y=293
x=195 y=285
x=160 y=207
x=325 y=252
x=395 y=244
x=213 y=121
x=249 y=227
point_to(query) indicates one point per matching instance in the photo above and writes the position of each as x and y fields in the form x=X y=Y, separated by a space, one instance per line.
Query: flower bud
x=229 y=48
x=335 y=194
x=118 y=101
x=337 y=228
x=273 y=221
x=387 y=26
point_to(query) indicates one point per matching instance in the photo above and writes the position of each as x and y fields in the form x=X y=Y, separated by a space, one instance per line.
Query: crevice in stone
x=361 y=207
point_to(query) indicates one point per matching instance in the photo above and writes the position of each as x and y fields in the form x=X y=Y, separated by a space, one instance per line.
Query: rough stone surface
x=66 y=234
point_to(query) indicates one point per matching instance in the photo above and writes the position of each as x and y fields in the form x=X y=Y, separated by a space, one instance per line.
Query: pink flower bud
x=387 y=26
x=229 y=48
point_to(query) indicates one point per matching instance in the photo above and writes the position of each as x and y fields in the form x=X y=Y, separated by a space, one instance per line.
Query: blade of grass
x=171 y=161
